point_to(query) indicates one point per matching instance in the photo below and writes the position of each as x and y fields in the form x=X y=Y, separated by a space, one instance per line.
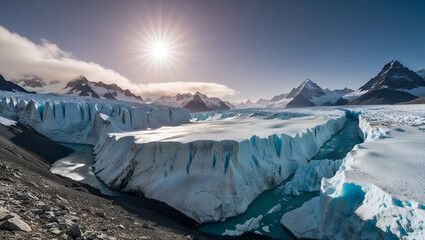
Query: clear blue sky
x=259 y=48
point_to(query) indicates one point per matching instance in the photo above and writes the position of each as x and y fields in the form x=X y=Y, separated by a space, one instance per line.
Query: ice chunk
x=303 y=222
x=266 y=229
x=274 y=209
x=309 y=177
x=249 y=225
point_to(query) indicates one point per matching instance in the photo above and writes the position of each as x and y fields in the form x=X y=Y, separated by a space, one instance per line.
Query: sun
x=160 y=50
x=160 y=43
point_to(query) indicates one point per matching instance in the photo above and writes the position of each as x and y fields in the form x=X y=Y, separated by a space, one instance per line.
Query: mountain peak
x=396 y=64
x=308 y=83
x=81 y=79
x=394 y=76
x=200 y=94
x=392 y=65
x=307 y=80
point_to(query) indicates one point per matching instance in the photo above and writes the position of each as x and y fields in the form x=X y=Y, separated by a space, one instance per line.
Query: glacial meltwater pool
x=273 y=203
x=78 y=166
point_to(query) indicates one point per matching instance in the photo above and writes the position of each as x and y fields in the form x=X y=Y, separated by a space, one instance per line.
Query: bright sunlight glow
x=160 y=50
x=160 y=43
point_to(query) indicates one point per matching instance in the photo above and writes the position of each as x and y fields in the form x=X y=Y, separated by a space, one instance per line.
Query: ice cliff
x=208 y=180
x=85 y=120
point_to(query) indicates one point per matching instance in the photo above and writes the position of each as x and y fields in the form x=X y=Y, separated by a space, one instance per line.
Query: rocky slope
x=10 y=86
x=383 y=96
x=420 y=100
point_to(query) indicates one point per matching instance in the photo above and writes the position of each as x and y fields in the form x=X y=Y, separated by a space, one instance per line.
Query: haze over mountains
x=395 y=83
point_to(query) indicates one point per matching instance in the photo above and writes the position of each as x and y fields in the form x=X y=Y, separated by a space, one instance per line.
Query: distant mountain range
x=308 y=94
x=80 y=86
x=395 y=83
x=248 y=104
x=197 y=102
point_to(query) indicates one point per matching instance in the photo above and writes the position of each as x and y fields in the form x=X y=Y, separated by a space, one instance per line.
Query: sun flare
x=161 y=44
x=160 y=50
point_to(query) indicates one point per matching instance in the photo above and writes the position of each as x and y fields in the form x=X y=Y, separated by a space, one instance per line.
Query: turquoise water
x=336 y=148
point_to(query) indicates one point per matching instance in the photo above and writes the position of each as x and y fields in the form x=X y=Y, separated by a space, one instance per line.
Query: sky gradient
x=258 y=48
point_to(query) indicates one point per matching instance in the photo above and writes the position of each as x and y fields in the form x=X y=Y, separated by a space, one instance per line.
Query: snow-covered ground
x=378 y=191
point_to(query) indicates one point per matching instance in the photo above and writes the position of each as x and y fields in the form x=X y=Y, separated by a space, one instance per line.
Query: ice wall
x=308 y=178
x=83 y=120
x=208 y=180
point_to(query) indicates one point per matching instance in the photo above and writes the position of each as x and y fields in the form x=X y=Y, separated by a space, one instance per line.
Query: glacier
x=210 y=169
x=213 y=166
x=377 y=192
x=214 y=169
x=85 y=120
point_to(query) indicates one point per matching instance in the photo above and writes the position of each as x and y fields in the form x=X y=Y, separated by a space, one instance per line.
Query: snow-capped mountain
x=394 y=76
x=308 y=94
x=197 y=102
x=81 y=86
x=261 y=103
x=307 y=89
x=10 y=86
x=394 y=83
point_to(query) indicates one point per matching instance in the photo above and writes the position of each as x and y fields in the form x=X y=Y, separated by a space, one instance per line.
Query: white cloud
x=19 y=56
